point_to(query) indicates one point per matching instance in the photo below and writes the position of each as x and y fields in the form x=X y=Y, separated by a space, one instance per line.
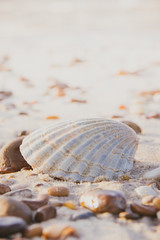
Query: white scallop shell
x=81 y=150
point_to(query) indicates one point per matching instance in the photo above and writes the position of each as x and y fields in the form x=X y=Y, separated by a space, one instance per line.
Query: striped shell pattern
x=81 y=150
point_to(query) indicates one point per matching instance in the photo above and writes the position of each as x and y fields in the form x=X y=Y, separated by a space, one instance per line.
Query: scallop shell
x=81 y=150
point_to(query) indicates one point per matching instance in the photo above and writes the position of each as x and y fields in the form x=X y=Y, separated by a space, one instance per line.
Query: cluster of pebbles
x=22 y=214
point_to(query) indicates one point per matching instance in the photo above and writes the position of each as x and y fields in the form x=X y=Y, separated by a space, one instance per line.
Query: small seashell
x=143 y=210
x=145 y=191
x=153 y=174
x=100 y=201
x=58 y=191
x=133 y=125
x=59 y=231
x=82 y=150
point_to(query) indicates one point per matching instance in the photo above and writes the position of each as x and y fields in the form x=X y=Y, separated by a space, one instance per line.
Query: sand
x=104 y=53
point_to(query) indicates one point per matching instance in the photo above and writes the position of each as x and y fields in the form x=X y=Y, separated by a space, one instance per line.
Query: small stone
x=156 y=203
x=34 y=204
x=59 y=231
x=69 y=204
x=11 y=225
x=11 y=160
x=12 y=207
x=34 y=230
x=100 y=201
x=83 y=214
x=58 y=191
x=133 y=125
x=153 y=174
x=23 y=133
x=21 y=193
x=45 y=213
x=145 y=191
x=129 y=215
x=4 y=188
x=143 y=210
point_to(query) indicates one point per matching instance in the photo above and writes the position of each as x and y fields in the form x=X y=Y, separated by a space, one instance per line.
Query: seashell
x=81 y=150
x=134 y=126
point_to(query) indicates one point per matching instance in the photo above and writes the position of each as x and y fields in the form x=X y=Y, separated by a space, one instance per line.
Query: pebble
x=143 y=210
x=133 y=125
x=11 y=225
x=12 y=207
x=4 y=188
x=129 y=215
x=145 y=191
x=21 y=193
x=156 y=203
x=34 y=204
x=83 y=214
x=59 y=231
x=58 y=191
x=11 y=159
x=69 y=204
x=45 y=213
x=100 y=201
x=34 y=230
x=153 y=174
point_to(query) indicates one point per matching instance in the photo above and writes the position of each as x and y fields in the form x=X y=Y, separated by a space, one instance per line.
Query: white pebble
x=145 y=191
x=153 y=174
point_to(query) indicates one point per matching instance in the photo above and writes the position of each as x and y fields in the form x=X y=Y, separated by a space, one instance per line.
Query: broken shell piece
x=153 y=174
x=11 y=160
x=82 y=150
x=59 y=231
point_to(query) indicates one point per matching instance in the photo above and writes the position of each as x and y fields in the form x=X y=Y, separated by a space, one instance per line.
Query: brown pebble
x=59 y=231
x=45 y=213
x=156 y=203
x=34 y=204
x=58 y=191
x=100 y=201
x=23 y=133
x=11 y=159
x=134 y=126
x=34 y=230
x=143 y=210
x=12 y=207
x=4 y=188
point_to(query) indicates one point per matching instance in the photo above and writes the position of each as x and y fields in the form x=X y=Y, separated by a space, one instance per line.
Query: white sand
x=42 y=39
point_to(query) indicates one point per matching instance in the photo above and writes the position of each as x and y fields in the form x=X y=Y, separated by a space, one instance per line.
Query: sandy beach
x=65 y=60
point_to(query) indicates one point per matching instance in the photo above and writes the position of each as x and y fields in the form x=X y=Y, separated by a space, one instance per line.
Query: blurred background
x=64 y=59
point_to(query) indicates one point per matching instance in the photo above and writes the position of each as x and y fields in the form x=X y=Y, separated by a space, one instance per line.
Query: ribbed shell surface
x=81 y=150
